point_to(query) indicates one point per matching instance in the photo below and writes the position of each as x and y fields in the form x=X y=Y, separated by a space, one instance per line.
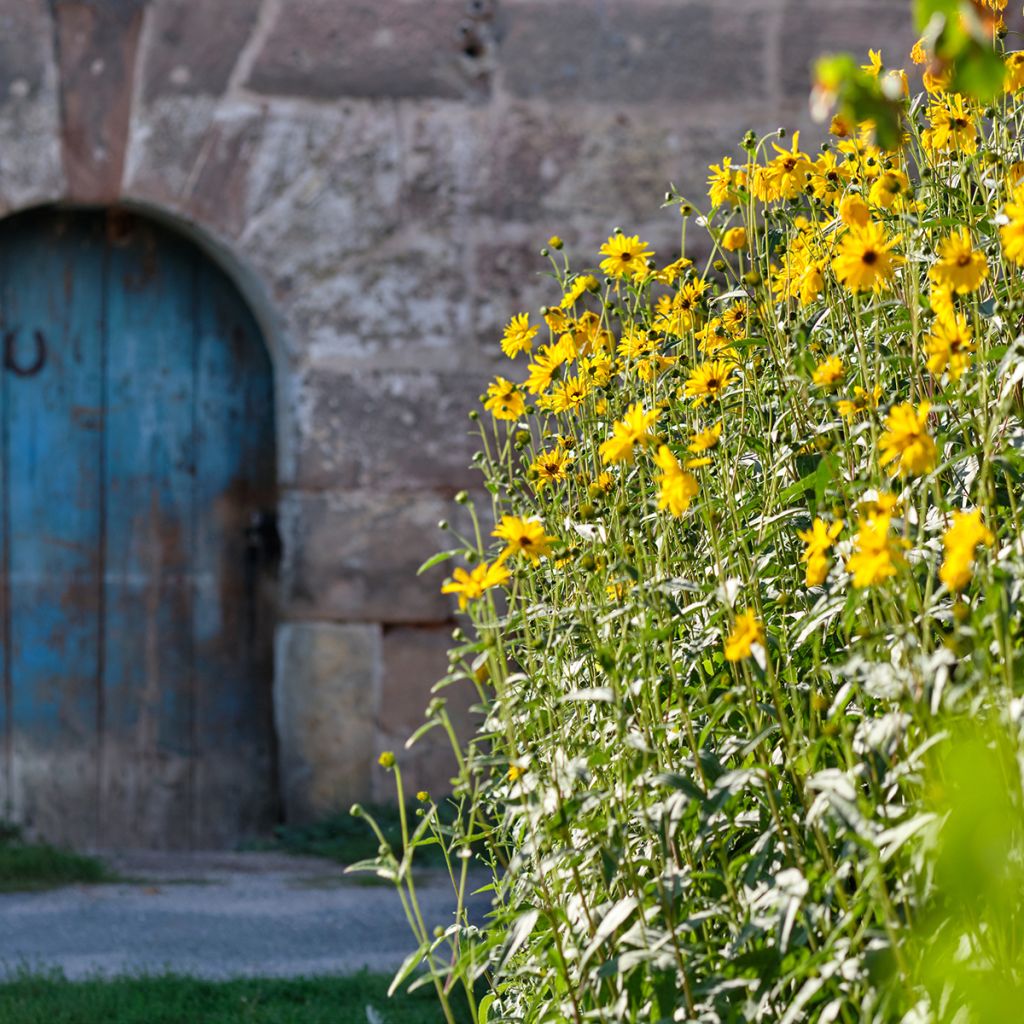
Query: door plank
x=52 y=302
x=148 y=680
x=233 y=625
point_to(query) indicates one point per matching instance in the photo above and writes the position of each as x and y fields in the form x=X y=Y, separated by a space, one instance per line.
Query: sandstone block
x=633 y=53
x=810 y=29
x=389 y=430
x=414 y=659
x=193 y=47
x=353 y=556
x=412 y=48
x=326 y=706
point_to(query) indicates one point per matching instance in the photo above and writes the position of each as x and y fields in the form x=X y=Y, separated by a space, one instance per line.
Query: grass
x=33 y=867
x=171 y=999
x=346 y=839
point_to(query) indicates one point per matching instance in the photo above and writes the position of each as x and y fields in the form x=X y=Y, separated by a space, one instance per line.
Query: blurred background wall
x=378 y=176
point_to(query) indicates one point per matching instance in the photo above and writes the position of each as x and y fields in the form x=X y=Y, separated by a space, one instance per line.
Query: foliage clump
x=748 y=630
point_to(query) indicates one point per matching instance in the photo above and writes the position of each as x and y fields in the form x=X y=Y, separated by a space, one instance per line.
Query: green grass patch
x=170 y=999
x=346 y=839
x=32 y=867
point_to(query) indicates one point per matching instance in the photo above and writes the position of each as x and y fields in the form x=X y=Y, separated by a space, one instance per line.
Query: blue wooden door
x=137 y=481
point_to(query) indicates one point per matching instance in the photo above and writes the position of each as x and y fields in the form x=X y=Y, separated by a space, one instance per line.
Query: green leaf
x=441 y=556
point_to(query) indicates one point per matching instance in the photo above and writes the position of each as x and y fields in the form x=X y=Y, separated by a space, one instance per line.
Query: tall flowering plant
x=746 y=636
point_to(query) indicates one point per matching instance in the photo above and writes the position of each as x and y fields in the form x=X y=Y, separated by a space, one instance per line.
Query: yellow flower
x=876 y=555
x=550 y=467
x=828 y=178
x=1012 y=234
x=523 y=537
x=734 y=319
x=471 y=585
x=518 y=336
x=829 y=372
x=723 y=182
x=889 y=187
x=854 y=212
x=546 y=366
x=504 y=401
x=952 y=126
x=555 y=242
x=668 y=274
x=960 y=541
x=708 y=381
x=678 y=488
x=940 y=298
x=787 y=174
x=949 y=347
x=626 y=256
x=633 y=429
x=960 y=265
x=865 y=260
x=862 y=401
x=906 y=442
x=818 y=540
x=746 y=632
x=705 y=440
x=734 y=239
x=568 y=395
x=1015 y=71
x=874 y=65
x=582 y=283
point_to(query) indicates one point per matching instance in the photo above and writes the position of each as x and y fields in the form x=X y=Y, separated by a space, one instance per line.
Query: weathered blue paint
x=134 y=634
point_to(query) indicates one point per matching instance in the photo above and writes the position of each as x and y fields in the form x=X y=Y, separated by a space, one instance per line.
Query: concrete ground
x=217 y=916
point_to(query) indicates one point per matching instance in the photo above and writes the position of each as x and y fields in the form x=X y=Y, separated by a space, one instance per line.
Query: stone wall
x=378 y=175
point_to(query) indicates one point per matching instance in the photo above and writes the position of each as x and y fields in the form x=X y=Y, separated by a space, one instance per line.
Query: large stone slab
x=414 y=659
x=323 y=49
x=639 y=52
x=30 y=160
x=96 y=50
x=389 y=430
x=326 y=702
x=353 y=556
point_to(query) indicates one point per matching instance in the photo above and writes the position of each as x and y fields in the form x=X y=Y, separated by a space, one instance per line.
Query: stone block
x=30 y=163
x=324 y=50
x=97 y=46
x=389 y=430
x=353 y=556
x=192 y=47
x=413 y=660
x=811 y=28
x=326 y=704
x=633 y=53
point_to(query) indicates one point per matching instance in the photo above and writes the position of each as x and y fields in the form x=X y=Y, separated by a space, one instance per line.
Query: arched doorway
x=137 y=548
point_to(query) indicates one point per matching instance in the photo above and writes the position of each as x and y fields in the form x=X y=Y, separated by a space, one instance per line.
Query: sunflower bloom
x=1015 y=71
x=862 y=401
x=865 y=261
x=829 y=372
x=678 y=488
x=960 y=542
x=504 y=401
x=518 y=336
x=949 y=347
x=819 y=540
x=877 y=555
x=961 y=267
x=952 y=128
x=734 y=239
x=625 y=256
x=550 y=468
x=523 y=537
x=1012 y=234
x=906 y=442
x=470 y=586
x=708 y=381
x=632 y=430
x=746 y=631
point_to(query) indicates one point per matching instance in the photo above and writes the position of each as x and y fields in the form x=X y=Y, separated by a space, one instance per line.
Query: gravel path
x=216 y=916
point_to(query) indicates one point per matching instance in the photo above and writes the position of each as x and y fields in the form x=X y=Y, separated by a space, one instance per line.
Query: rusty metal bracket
x=11 y=362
